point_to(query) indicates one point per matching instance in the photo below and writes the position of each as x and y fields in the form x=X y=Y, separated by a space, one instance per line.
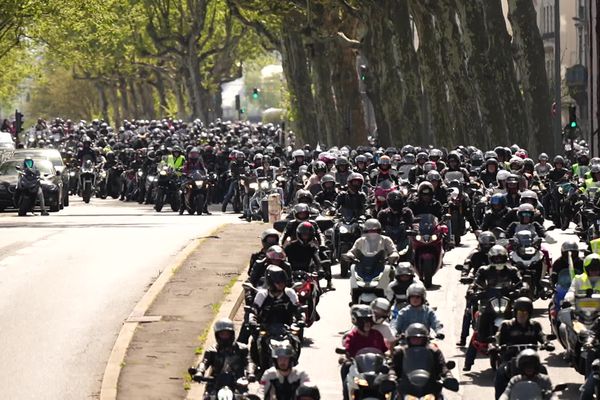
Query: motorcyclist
x=527 y=197
x=194 y=162
x=282 y=380
x=32 y=173
x=513 y=197
x=315 y=180
x=488 y=175
x=275 y=256
x=353 y=199
x=542 y=168
x=299 y=160
x=588 y=280
x=417 y=335
x=306 y=197
x=404 y=276
x=417 y=171
x=440 y=192
x=226 y=357
x=498 y=274
x=475 y=260
x=424 y=202
x=517 y=331
x=453 y=165
x=583 y=160
x=569 y=255
x=463 y=202
x=496 y=216
x=237 y=167
x=530 y=369
x=268 y=238
x=395 y=217
x=342 y=170
x=559 y=172
x=361 y=336
x=526 y=214
x=276 y=303
x=381 y=308
x=417 y=311
x=176 y=160
x=372 y=241
x=301 y=213
x=308 y=391
x=383 y=172
x=326 y=197
x=593 y=182
x=86 y=152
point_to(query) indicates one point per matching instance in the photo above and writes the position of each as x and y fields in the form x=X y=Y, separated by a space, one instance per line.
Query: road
x=69 y=280
x=319 y=359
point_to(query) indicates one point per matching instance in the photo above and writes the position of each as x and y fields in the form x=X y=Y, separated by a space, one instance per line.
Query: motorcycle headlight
x=163 y=173
x=199 y=183
x=72 y=173
x=433 y=238
x=560 y=190
x=343 y=230
x=419 y=237
x=151 y=179
x=264 y=185
x=254 y=185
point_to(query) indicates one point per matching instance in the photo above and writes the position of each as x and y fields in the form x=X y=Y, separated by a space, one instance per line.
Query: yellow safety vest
x=595 y=246
x=175 y=163
x=586 y=284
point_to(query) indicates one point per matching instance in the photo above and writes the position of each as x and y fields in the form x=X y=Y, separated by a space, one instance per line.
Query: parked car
x=55 y=158
x=52 y=185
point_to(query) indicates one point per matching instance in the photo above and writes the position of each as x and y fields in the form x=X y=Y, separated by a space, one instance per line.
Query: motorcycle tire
x=55 y=207
x=24 y=205
x=237 y=204
x=427 y=273
x=199 y=204
x=158 y=204
x=264 y=209
x=66 y=200
x=175 y=203
x=457 y=238
x=87 y=193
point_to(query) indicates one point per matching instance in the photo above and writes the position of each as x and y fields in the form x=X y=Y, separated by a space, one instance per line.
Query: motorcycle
x=417 y=381
x=26 y=192
x=457 y=226
x=167 y=190
x=369 y=277
x=428 y=247
x=87 y=180
x=225 y=387
x=307 y=288
x=345 y=233
x=194 y=193
x=101 y=184
x=367 y=377
x=529 y=259
x=381 y=191
x=114 y=181
x=560 y=209
x=267 y=337
x=150 y=187
x=554 y=307
x=259 y=203
x=129 y=191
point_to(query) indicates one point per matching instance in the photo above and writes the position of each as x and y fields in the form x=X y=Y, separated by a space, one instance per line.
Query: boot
x=329 y=286
x=224 y=207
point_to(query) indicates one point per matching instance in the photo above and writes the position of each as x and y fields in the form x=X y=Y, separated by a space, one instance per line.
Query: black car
x=55 y=158
x=52 y=185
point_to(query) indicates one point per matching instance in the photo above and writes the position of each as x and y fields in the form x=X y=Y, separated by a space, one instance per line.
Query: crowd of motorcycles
x=387 y=216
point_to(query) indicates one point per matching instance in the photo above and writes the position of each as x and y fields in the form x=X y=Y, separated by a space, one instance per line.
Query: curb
x=110 y=379
x=229 y=308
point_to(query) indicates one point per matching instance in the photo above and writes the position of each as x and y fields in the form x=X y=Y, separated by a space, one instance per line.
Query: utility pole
x=557 y=80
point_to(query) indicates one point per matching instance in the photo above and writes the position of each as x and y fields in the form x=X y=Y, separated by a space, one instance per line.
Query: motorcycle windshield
x=347 y=214
x=370 y=362
x=197 y=175
x=369 y=267
x=417 y=364
x=427 y=224
x=526 y=390
x=454 y=175
x=386 y=184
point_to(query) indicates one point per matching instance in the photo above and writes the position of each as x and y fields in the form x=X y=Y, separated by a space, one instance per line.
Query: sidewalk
x=161 y=352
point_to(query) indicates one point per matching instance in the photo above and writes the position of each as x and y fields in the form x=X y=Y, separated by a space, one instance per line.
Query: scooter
x=369 y=277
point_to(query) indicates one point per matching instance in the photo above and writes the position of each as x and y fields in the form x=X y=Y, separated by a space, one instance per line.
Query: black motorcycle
x=26 y=192
x=194 y=191
x=87 y=180
x=167 y=190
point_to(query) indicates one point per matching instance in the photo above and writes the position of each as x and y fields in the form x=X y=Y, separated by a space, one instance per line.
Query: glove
x=440 y=336
x=450 y=384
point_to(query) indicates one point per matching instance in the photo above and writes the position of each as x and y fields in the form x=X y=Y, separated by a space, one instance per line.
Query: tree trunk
x=135 y=103
x=114 y=99
x=295 y=68
x=327 y=118
x=148 y=110
x=528 y=50
x=194 y=83
x=162 y=93
x=103 y=101
x=123 y=95
x=503 y=71
x=177 y=87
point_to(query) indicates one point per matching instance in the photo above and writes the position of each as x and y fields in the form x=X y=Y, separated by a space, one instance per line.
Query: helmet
x=176 y=149
x=224 y=325
x=275 y=254
x=543 y=157
x=301 y=211
x=417 y=289
x=569 y=245
x=489 y=155
x=558 y=160
x=355 y=180
x=342 y=162
x=361 y=158
x=408 y=158
x=502 y=175
x=372 y=225
x=360 y=314
x=309 y=390
x=486 y=240
x=435 y=154
x=274 y=274
x=521 y=153
x=516 y=164
x=433 y=176
x=422 y=156
x=417 y=334
x=525 y=210
x=385 y=163
x=523 y=304
x=528 y=359
x=327 y=179
x=395 y=200
x=319 y=166
x=529 y=195
x=298 y=153
x=454 y=156
x=497 y=256
x=595 y=168
x=28 y=163
x=194 y=153
x=513 y=181
x=425 y=188
x=404 y=269
x=381 y=309
x=407 y=149
x=305 y=230
x=498 y=199
x=591 y=261
x=284 y=349
x=268 y=234
x=304 y=196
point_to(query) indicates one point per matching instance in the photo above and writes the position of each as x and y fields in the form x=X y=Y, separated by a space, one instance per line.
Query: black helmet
x=327 y=183
x=486 y=240
x=222 y=325
x=342 y=161
x=419 y=332
x=301 y=211
x=309 y=390
x=305 y=232
x=275 y=254
x=425 y=188
x=304 y=196
x=395 y=200
x=355 y=181
x=274 y=275
x=523 y=304
x=361 y=313
x=319 y=166
x=527 y=359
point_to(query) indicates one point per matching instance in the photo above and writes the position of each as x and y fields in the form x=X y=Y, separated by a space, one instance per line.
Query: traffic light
x=18 y=121
x=255 y=93
x=237 y=102
x=573 y=116
x=242 y=110
x=363 y=72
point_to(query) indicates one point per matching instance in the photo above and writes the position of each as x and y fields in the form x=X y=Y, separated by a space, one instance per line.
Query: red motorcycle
x=308 y=290
x=427 y=243
x=381 y=191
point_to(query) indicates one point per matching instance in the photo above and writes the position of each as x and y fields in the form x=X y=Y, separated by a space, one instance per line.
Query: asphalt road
x=69 y=280
x=320 y=361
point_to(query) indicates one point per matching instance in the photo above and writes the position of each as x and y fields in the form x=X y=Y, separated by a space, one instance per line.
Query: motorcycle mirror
x=560 y=387
x=459 y=267
x=450 y=364
x=248 y=286
x=551 y=336
x=596 y=365
x=340 y=350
